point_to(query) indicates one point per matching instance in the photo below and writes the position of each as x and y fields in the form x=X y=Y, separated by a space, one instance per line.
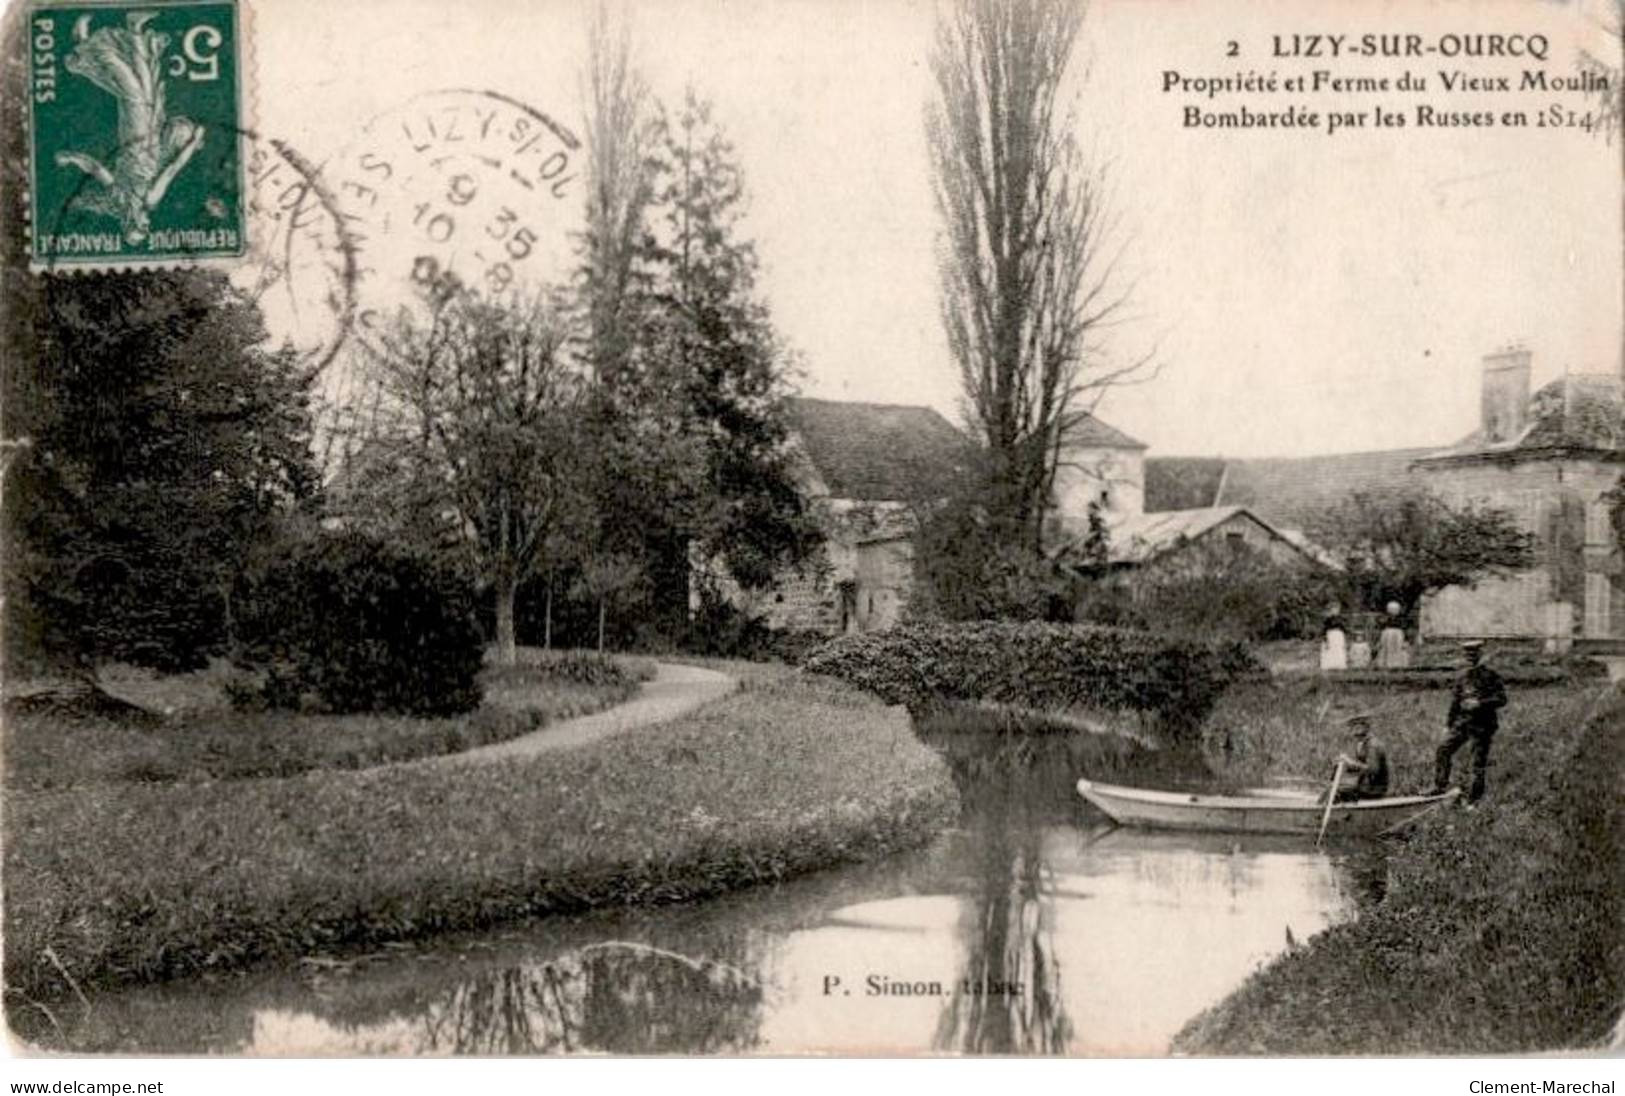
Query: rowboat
x=1259 y=812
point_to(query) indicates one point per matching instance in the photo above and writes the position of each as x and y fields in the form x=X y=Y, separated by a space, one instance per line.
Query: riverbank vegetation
x=130 y=882
x=1290 y=728
x=182 y=727
x=1502 y=929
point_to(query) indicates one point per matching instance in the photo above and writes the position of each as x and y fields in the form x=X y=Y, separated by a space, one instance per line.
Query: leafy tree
x=617 y=248
x=1401 y=546
x=475 y=443
x=968 y=566
x=1097 y=549
x=686 y=419
x=165 y=444
x=1217 y=590
x=1027 y=272
x=361 y=623
x=603 y=576
x=715 y=327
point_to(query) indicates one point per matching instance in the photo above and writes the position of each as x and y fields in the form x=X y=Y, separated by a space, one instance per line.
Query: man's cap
x=1357 y=720
x=1472 y=644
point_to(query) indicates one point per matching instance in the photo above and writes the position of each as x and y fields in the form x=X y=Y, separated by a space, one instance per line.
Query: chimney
x=1505 y=400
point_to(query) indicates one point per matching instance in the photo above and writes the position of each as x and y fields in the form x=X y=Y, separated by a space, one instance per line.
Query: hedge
x=1041 y=666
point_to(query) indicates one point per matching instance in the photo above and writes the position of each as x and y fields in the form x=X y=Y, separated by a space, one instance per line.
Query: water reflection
x=1032 y=929
x=1008 y=997
x=615 y=997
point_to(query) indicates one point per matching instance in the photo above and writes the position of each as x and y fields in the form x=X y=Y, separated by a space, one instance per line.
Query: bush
x=1042 y=666
x=1237 y=592
x=968 y=565
x=359 y=624
x=721 y=629
x=577 y=667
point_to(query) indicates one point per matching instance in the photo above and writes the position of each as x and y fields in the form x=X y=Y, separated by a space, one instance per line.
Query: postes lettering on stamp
x=455 y=190
x=135 y=133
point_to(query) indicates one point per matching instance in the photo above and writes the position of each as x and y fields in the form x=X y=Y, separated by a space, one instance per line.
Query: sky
x=1300 y=292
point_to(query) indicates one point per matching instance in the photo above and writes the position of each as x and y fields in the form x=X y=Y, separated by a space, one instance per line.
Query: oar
x=1331 y=799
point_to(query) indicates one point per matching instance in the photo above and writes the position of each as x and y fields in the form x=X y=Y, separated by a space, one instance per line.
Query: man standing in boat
x=1478 y=696
x=1368 y=764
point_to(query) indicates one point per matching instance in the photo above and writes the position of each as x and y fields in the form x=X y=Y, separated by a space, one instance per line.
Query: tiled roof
x=878 y=451
x=1142 y=537
x=1289 y=491
x=1182 y=483
x=1283 y=491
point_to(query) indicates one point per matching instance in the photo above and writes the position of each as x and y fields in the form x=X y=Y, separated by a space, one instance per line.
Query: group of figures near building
x=1337 y=652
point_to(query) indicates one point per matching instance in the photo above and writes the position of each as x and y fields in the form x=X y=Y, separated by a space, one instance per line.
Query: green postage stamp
x=136 y=140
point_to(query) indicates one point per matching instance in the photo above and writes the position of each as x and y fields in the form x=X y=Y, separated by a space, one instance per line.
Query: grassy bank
x=135 y=882
x=1290 y=728
x=201 y=737
x=1502 y=930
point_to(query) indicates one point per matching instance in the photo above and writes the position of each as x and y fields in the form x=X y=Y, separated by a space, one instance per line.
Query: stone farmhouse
x=867 y=468
x=870 y=467
x=1545 y=456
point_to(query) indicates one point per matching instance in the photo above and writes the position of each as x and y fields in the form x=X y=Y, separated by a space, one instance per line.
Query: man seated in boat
x=1365 y=771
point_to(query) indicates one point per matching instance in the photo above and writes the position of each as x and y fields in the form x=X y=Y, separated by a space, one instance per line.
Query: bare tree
x=1609 y=70
x=1028 y=271
x=474 y=445
x=620 y=141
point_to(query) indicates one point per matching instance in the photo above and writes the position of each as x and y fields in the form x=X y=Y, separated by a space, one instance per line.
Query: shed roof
x=1141 y=538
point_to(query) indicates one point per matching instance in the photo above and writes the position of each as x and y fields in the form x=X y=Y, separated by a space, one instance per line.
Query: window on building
x=1598 y=590
x=1598 y=526
x=1235 y=540
x=1533 y=503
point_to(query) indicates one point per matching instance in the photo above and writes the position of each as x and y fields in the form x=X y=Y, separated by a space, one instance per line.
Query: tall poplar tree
x=1027 y=273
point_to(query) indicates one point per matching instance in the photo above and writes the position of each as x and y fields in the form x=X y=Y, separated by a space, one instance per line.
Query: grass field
x=128 y=882
x=200 y=737
x=1290 y=729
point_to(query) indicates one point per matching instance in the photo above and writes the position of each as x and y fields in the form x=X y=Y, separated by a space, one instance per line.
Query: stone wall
x=860 y=581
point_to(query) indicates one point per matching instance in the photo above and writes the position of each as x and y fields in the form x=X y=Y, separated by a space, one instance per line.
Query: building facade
x=866 y=468
x=1547 y=457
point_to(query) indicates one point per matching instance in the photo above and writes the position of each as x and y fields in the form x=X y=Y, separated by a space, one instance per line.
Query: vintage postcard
x=814 y=527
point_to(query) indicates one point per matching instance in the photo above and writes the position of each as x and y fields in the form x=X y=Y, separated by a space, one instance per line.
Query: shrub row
x=140 y=882
x=1041 y=666
x=573 y=666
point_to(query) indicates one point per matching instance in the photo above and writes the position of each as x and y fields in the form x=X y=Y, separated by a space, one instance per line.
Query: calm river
x=1035 y=927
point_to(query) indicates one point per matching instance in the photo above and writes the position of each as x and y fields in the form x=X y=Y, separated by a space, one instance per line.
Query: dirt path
x=674 y=691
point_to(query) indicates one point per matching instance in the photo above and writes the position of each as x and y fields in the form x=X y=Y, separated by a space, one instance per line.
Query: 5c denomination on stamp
x=135 y=136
